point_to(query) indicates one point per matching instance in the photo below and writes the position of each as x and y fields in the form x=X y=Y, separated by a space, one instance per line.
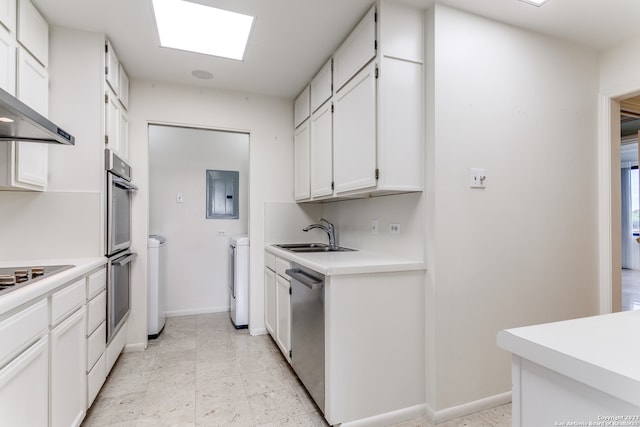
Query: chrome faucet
x=329 y=229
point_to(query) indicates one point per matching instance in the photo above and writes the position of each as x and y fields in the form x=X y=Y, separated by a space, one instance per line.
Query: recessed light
x=6 y=120
x=196 y=28
x=535 y=2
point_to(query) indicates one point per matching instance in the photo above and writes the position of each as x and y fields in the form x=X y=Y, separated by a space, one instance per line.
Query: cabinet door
x=32 y=159
x=283 y=304
x=7 y=61
x=321 y=151
x=301 y=164
x=123 y=133
x=301 y=107
x=270 y=301
x=123 y=86
x=8 y=14
x=321 y=87
x=24 y=395
x=68 y=371
x=356 y=51
x=354 y=133
x=112 y=67
x=33 y=31
x=112 y=121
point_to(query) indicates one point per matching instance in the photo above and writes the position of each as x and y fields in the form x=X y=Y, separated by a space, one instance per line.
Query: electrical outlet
x=374 y=226
x=222 y=232
x=179 y=198
x=477 y=178
x=394 y=228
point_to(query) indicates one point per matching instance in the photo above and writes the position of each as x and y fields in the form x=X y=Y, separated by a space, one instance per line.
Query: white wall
x=197 y=256
x=524 y=250
x=269 y=123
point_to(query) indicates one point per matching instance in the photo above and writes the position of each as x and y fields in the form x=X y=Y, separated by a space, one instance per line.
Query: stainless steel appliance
x=307 y=329
x=118 y=241
x=12 y=278
x=19 y=122
x=118 y=291
x=119 y=189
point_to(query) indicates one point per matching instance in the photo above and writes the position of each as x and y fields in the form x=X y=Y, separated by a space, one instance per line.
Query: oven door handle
x=124 y=260
x=122 y=183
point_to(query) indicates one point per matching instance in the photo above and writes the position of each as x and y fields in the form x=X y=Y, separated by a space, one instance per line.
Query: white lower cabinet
x=24 y=395
x=68 y=373
x=270 y=300
x=283 y=304
x=278 y=302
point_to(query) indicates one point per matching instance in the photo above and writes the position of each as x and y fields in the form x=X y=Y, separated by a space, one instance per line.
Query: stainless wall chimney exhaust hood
x=19 y=122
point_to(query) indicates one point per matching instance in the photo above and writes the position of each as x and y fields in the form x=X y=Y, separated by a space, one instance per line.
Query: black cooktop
x=12 y=278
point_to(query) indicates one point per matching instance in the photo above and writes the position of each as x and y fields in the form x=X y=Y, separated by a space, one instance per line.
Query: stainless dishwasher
x=307 y=329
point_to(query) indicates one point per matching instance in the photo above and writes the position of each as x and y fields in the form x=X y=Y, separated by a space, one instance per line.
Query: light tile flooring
x=203 y=372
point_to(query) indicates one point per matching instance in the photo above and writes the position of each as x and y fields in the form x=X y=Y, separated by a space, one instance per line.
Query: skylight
x=196 y=28
x=535 y=2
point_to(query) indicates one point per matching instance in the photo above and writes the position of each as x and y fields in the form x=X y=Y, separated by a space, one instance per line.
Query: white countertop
x=349 y=262
x=602 y=352
x=47 y=284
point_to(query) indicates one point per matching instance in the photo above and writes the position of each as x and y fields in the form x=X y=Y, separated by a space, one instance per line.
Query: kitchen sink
x=311 y=247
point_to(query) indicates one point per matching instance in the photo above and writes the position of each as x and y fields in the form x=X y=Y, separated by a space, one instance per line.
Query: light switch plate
x=374 y=226
x=179 y=198
x=394 y=228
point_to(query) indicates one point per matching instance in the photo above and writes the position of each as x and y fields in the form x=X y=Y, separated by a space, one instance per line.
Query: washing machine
x=157 y=290
x=239 y=280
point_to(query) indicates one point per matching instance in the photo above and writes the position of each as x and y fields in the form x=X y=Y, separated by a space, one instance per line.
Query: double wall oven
x=118 y=241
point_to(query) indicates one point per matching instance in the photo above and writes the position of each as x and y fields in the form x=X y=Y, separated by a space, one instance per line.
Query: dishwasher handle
x=310 y=282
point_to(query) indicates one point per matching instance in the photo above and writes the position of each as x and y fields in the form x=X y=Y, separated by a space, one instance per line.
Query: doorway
x=629 y=293
x=181 y=160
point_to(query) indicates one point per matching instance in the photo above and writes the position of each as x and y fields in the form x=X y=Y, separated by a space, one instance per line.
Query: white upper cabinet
x=301 y=166
x=322 y=151
x=321 y=86
x=7 y=61
x=112 y=67
x=301 y=107
x=123 y=85
x=8 y=14
x=33 y=31
x=112 y=121
x=356 y=51
x=354 y=133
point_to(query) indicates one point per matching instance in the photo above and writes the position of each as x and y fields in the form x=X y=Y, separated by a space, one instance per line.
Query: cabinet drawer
x=96 y=312
x=95 y=379
x=21 y=329
x=96 y=345
x=96 y=282
x=282 y=266
x=67 y=300
x=270 y=260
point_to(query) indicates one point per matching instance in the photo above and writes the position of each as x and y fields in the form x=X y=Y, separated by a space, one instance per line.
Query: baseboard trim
x=139 y=346
x=194 y=311
x=389 y=418
x=257 y=331
x=468 y=408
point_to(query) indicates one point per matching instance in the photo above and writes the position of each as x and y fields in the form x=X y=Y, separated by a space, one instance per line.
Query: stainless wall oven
x=119 y=192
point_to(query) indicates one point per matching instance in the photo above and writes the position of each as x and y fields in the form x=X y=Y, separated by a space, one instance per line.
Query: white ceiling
x=291 y=39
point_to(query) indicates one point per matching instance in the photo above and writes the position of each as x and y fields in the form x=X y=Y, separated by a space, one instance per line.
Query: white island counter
x=576 y=372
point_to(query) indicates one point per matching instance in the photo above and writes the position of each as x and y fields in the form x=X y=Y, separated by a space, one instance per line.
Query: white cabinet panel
x=67 y=300
x=356 y=51
x=322 y=151
x=96 y=312
x=302 y=161
x=301 y=107
x=123 y=86
x=96 y=283
x=8 y=14
x=95 y=379
x=112 y=121
x=354 y=133
x=24 y=395
x=112 y=67
x=123 y=133
x=96 y=344
x=22 y=329
x=7 y=61
x=68 y=371
x=321 y=86
x=283 y=303
x=32 y=83
x=270 y=301
x=33 y=31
